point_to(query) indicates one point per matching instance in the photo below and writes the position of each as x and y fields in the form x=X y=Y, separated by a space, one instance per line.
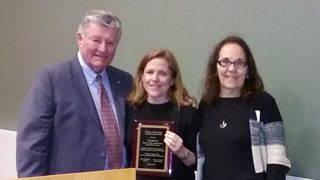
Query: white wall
x=296 y=178
x=8 y=154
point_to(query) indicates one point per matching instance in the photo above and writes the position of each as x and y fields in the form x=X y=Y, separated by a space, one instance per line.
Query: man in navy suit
x=59 y=127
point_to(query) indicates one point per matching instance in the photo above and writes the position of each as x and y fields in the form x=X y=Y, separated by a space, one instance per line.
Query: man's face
x=97 y=45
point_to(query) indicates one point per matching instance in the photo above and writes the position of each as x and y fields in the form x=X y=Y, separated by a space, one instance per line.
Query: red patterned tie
x=109 y=124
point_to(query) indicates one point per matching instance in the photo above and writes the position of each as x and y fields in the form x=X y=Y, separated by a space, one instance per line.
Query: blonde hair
x=176 y=93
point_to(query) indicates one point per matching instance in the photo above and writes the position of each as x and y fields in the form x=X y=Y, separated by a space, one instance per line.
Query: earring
x=215 y=74
x=247 y=76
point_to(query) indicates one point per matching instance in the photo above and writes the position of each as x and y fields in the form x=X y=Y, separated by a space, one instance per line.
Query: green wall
x=283 y=35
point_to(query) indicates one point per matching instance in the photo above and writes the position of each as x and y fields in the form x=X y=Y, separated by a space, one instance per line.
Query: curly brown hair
x=253 y=84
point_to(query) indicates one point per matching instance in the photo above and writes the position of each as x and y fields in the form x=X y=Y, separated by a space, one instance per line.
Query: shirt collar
x=88 y=72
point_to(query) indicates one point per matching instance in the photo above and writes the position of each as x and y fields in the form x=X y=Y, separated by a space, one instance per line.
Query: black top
x=225 y=140
x=187 y=125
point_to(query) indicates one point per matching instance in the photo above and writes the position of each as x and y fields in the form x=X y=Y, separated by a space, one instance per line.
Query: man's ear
x=79 y=39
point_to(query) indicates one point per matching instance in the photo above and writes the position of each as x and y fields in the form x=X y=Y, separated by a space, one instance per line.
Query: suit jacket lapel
x=80 y=85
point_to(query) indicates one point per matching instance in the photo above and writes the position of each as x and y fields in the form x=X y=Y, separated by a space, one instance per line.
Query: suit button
x=103 y=155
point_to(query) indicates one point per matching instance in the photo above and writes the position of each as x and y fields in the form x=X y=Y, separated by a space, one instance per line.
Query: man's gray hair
x=101 y=17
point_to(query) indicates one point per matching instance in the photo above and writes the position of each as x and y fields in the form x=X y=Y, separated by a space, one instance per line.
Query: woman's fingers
x=173 y=141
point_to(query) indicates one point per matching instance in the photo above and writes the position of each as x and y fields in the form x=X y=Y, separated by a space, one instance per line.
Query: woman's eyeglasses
x=237 y=64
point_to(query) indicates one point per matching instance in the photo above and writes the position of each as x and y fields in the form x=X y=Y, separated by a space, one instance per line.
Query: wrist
x=186 y=155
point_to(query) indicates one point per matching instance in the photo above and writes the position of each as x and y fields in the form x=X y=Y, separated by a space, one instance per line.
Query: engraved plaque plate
x=151 y=156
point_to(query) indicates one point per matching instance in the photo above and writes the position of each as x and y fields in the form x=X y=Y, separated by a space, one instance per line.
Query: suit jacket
x=59 y=128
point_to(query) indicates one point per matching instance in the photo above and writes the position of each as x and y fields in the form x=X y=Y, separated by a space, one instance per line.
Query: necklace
x=223 y=124
x=224 y=107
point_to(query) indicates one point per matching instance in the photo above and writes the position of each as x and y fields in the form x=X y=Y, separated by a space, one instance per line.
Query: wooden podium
x=118 y=174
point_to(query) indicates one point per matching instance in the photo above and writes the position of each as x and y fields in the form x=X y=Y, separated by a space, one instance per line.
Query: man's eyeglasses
x=237 y=63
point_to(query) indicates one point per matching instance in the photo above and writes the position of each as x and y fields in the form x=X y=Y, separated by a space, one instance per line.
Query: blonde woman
x=159 y=94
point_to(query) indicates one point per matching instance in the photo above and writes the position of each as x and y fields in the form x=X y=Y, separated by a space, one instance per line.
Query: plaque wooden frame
x=149 y=148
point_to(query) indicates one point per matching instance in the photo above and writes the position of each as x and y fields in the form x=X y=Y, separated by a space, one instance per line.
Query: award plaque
x=150 y=155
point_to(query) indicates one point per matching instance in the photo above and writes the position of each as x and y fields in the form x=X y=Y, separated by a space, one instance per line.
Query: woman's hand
x=175 y=143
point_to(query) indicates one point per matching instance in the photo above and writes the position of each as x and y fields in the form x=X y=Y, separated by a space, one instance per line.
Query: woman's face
x=156 y=80
x=231 y=76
